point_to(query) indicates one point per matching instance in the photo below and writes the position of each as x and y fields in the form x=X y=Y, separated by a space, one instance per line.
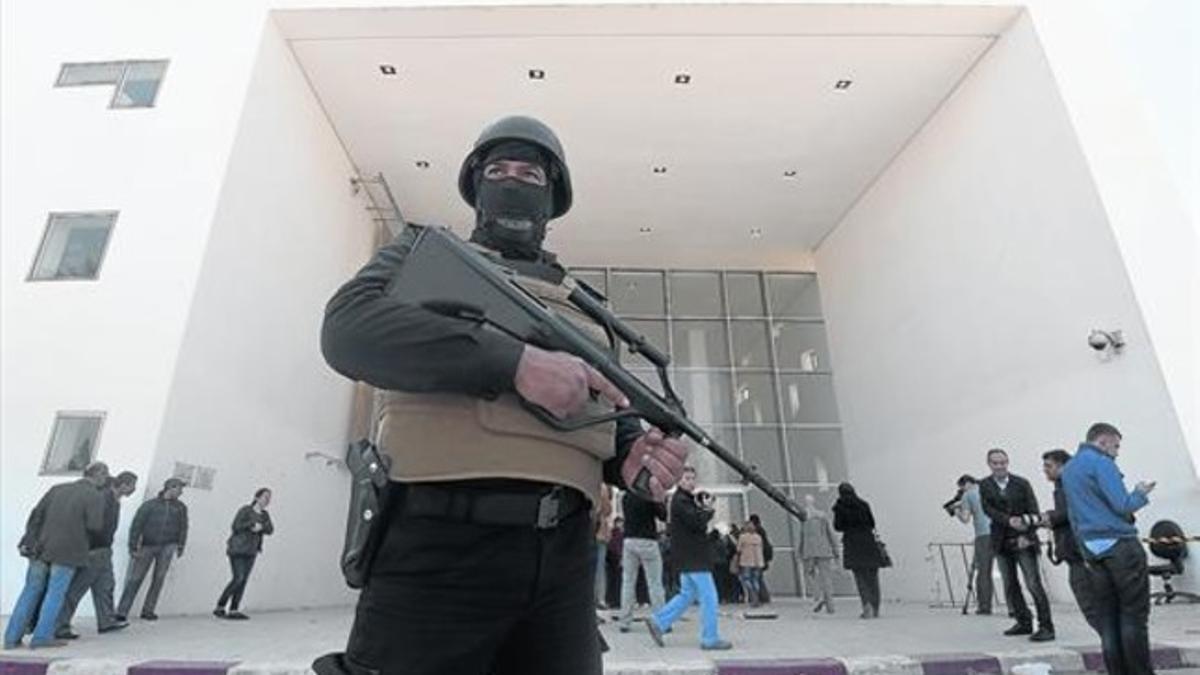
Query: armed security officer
x=486 y=563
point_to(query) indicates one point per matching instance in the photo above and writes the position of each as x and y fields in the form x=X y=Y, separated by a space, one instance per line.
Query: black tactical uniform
x=479 y=572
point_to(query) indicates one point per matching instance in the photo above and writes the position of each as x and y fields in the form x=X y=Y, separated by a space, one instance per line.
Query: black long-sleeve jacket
x=690 y=550
x=1018 y=499
x=1065 y=548
x=641 y=515
x=372 y=336
x=159 y=521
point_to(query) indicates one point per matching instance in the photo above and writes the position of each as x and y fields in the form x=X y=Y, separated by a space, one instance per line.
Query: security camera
x=1101 y=340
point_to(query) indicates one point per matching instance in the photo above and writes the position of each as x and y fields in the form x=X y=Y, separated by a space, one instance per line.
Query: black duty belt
x=544 y=510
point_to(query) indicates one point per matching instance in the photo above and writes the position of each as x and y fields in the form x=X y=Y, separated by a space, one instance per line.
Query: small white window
x=73 y=442
x=139 y=87
x=73 y=246
x=136 y=82
x=78 y=74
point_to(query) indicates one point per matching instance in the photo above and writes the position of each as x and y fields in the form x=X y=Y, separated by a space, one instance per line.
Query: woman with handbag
x=750 y=563
x=861 y=552
x=251 y=523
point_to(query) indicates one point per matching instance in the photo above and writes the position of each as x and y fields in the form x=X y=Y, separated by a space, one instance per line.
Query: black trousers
x=867 y=581
x=456 y=597
x=1027 y=561
x=1120 y=587
x=241 y=566
x=1080 y=578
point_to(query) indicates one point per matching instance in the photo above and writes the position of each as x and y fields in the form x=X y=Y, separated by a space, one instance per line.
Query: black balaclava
x=511 y=216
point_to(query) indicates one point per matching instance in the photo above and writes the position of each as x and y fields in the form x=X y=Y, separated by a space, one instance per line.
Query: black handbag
x=885 y=560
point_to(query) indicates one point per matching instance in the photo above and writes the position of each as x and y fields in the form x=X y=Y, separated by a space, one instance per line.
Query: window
x=136 y=82
x=72 y=442
x=73 y=246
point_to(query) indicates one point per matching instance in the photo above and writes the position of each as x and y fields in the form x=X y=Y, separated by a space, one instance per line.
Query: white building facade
x=976 y=187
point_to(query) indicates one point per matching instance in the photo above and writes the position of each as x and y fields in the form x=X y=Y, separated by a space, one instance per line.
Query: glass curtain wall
x=750 y=359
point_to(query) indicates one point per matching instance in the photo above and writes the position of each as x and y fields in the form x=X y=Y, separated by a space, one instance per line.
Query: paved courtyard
x=905 y=636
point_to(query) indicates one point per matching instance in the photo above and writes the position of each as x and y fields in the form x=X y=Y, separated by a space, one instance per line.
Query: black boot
x=1020 y=628
x=1045 y=633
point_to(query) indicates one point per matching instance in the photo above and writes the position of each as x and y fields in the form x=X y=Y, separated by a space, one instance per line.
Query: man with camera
x=690 y=513
x=968 y=507
x=1009 y=501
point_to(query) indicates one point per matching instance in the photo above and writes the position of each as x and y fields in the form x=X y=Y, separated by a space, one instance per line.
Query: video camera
x=952 y=504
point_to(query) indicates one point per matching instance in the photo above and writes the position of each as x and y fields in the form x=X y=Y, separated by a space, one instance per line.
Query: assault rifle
x=447 y=276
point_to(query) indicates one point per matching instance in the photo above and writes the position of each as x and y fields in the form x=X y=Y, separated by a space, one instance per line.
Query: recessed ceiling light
x=790 y=173
x=387 y=69
x=660 y=169
x=535 y=74
x=683 y=78
x=422 y=164
x=843 y=84
x=645 y=230
x=756 y=232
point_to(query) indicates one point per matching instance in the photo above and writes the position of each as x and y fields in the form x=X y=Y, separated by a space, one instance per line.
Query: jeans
x=867 y=581
x=751 y=578
x=1027 y=560
x=640 y=553
x=159 y=556
x=693 y=586
x=241 y=566
x=1080 y=578
x=984 y=555
x=1120 y=588
x=46 y=584
x=98 y=578
x=821 y=570
x=447 y=596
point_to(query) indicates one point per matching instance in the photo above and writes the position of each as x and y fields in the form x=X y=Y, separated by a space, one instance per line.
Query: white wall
x=1127 y=73
x=958 y=295
x=251 y=393
x=108 y=344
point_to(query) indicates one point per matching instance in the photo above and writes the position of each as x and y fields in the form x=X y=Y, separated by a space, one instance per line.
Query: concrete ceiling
x=762 y=102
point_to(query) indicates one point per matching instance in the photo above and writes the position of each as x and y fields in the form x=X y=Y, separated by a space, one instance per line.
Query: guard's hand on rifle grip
x=655 y=464
x=561 y=383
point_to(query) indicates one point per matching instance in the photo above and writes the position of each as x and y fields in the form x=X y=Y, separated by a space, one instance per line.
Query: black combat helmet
x=529 y=130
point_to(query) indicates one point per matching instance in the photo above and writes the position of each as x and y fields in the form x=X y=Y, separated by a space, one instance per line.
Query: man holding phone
x=1101 y=513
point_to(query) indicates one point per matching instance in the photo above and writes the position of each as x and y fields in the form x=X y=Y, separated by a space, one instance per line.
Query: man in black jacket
x=692 y=556
x=1010 y=502
x=1065 y=548
x=97 y=576
x=156 y=537
x=487 y=557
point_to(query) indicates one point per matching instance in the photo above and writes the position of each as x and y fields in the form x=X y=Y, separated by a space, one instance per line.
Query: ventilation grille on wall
x=194 y=476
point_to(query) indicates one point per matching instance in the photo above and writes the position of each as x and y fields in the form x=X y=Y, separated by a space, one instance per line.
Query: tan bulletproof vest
x=444 y=437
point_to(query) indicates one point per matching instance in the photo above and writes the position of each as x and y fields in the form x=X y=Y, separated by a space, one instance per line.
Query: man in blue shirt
x=1101 y=514
x=970 y=510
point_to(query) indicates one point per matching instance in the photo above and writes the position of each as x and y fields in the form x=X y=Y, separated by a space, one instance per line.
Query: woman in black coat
x=250 y=524
x=860 y=552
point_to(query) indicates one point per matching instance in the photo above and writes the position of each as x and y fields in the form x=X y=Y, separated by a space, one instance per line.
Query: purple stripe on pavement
x=24 y=665
x=959 y=664
x=1161 y=656
x=782 y=667
x=182 y=668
